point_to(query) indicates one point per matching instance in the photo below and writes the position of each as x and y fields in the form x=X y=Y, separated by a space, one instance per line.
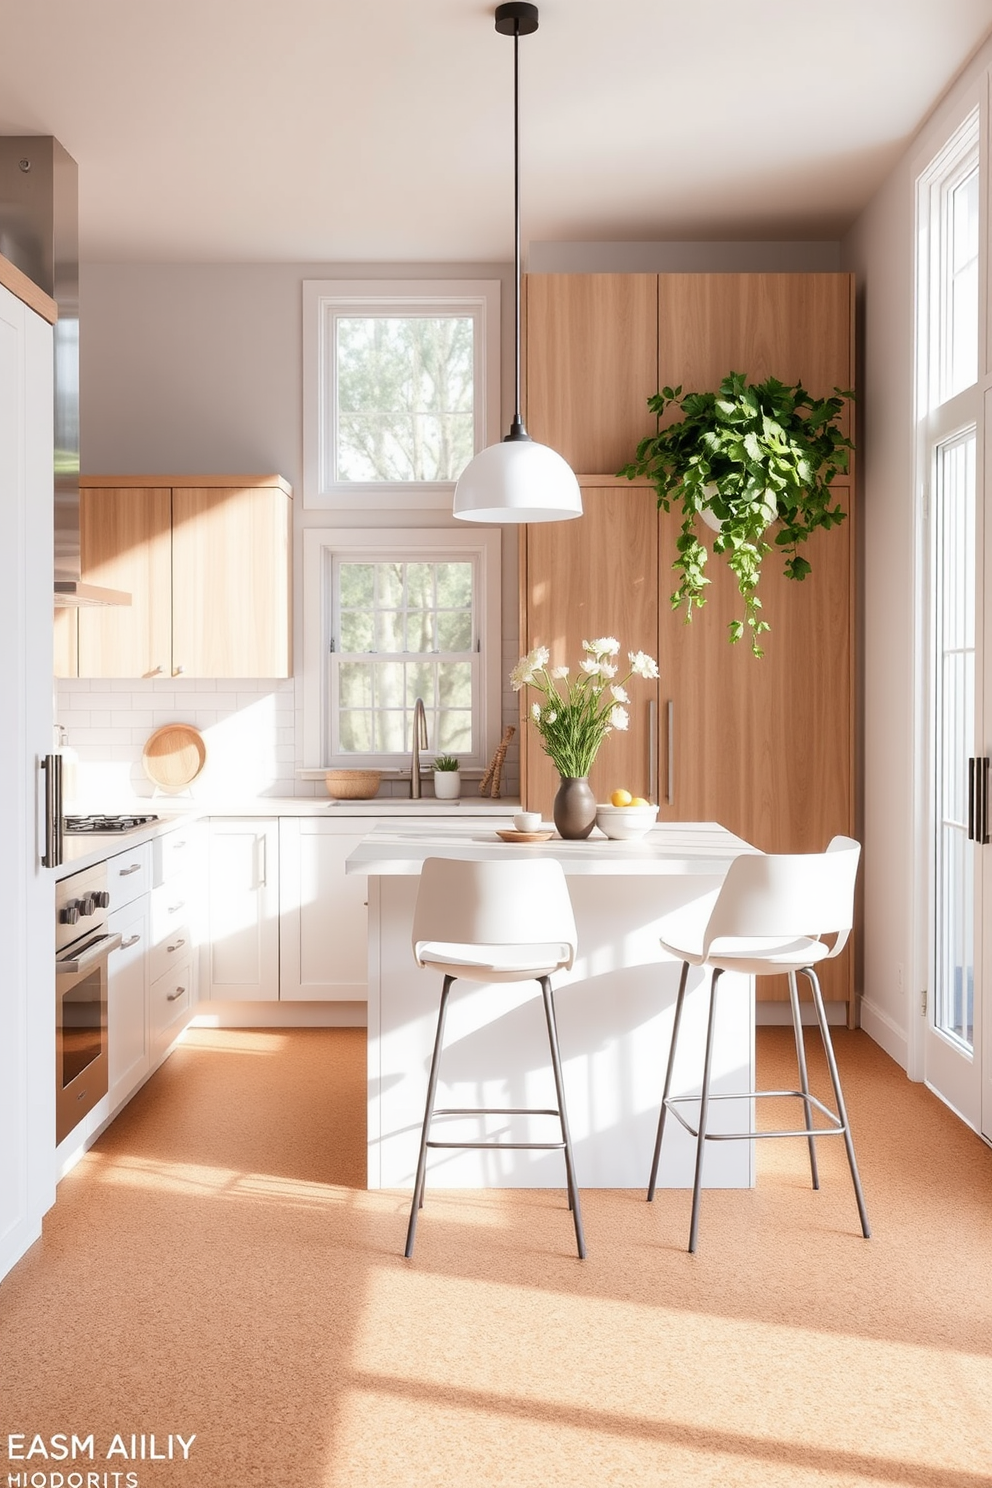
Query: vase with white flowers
x=575 y=714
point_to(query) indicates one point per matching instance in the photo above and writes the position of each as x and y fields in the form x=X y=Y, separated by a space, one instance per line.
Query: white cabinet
x=127 y=1001
x=242 y=950
x=323 y=914
x=27 y=988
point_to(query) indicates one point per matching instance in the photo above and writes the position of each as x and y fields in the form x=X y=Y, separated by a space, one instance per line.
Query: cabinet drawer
x=173 y=854
x=169 y=1004
x=171 y=907
x=169 y=952
x=129 y=875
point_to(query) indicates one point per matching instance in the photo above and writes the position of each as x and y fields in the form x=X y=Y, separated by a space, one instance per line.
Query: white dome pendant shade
x=517 y=480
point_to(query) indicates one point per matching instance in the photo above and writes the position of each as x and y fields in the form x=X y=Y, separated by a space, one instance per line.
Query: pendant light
x=517 y=480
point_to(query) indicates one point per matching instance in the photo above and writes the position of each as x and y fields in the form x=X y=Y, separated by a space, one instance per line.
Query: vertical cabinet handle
x=653 y=781
x=983 y=827
x=262 y=862
x=54 y=824
x=670 y=787
x=971 y=800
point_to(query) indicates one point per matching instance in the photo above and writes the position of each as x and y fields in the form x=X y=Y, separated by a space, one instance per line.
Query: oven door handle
x=93 y=954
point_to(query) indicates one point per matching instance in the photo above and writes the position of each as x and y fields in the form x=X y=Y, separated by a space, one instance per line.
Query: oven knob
x=69 y=915
x=101 y=899
x=86 y=905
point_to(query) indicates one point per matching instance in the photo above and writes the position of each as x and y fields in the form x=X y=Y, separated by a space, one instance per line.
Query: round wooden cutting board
x=173 y=756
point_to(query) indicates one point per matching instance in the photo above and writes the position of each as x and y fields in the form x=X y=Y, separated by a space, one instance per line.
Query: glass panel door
x=951 y=1067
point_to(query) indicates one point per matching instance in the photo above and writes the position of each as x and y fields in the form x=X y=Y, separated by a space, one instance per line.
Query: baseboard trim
x=280 y=1015
x=886 y=1032
x=779 y=1014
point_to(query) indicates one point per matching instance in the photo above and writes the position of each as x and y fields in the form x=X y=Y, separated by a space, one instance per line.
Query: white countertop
x=81 y=850
x=670 y=848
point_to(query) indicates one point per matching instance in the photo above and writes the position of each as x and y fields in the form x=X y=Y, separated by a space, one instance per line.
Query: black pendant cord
x=517 y=430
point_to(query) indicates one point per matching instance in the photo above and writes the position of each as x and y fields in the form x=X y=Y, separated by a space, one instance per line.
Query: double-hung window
x=394 y=616
x=401 y=389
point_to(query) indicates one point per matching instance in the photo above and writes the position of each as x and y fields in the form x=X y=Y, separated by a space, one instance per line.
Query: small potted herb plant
x=744 y=459
x=447 y=778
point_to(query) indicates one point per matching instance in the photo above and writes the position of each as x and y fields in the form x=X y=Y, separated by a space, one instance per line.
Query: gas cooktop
x=106 y=823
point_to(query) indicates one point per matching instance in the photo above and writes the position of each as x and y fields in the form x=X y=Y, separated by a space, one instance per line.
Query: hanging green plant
x=743 y=459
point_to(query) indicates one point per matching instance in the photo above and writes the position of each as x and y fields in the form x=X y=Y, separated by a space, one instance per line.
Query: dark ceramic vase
x=575 y=807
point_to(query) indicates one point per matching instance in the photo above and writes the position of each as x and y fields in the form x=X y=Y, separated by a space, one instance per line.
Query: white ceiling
x=380 y=130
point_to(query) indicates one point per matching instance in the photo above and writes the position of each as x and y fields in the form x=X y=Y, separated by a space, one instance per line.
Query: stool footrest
x=835 y=1129
x=508 y=1146
x=491 y=1111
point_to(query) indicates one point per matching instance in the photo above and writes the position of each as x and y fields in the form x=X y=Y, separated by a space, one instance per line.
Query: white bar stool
x=508 y=921
x=768 y=919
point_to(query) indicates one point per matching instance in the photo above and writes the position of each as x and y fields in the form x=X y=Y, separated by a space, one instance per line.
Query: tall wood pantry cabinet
x=206 y=560
x=766 y=747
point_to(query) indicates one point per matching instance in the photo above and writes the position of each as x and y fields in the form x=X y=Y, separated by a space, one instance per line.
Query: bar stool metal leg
x=679 y=1002
x=573 y=1192
x=418 y=1187
x=703 y=1113
x=797 y=1023
x=828 y=1049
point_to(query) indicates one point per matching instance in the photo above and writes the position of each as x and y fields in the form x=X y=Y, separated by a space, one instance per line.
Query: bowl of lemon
x=626 y=817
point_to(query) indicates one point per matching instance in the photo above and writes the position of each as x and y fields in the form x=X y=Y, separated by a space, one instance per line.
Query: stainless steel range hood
x=39 y=232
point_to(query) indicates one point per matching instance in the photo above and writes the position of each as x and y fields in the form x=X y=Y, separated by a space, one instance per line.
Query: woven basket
x=352 y=785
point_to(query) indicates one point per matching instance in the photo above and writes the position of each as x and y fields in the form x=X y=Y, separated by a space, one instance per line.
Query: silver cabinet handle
x=670 y=791
x=263 y=862
x=156 y=671
x=178 y=944
x=178 y=671
x=125 y=872
x=652 y=747
x=177 y=845
x=174 y=996
x=54 y=821
x=131 y=940
x=175 y=908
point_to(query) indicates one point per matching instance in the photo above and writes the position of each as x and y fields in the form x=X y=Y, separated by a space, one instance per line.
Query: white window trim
x=942 y=144
x=322 y=300
x=409 y=545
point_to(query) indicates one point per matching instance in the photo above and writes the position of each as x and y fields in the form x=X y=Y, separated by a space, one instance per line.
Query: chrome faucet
x=419 y=743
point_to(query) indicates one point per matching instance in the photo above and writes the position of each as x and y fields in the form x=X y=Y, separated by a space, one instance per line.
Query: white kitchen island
x=615 y=1010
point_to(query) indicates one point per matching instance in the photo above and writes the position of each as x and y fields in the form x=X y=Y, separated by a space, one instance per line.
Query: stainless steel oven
x=82 y=946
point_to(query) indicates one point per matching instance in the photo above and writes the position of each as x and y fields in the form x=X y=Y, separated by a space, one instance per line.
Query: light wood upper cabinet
x=125 y=542
x=796 y=327
x=230 y=582
x=207 y=563
x=592 y=364
x=595 y=576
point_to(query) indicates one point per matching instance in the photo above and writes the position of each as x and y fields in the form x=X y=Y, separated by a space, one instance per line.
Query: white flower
x=642 y=665
x=523 y=672
x=605 y=646
x=559 y=673
x=618 y=719
x=550 y=717
x=592 y=667
x=606 y=670
x=620 y=694
x=535 y=712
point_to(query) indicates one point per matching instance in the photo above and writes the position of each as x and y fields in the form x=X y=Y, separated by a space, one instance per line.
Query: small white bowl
x=626 y=823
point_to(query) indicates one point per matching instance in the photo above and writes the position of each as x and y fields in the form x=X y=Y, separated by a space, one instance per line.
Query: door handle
x=652 y=747
x=971 y=800
x=982 y=824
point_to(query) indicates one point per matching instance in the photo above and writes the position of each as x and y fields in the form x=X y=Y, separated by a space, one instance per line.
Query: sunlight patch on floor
x=697 y=1369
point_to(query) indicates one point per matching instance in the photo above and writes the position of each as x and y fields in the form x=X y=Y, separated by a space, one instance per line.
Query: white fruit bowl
x=626 y=823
